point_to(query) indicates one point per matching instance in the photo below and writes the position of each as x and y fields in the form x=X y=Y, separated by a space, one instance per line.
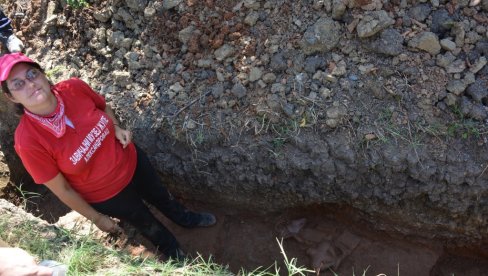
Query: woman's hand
x=62 y=189
x=124 y=136
x=107 y=224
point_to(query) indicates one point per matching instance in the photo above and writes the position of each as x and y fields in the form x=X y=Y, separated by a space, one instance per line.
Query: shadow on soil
x=318 y=236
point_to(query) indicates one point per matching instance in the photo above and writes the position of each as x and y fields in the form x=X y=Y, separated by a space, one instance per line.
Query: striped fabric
x=5 y=27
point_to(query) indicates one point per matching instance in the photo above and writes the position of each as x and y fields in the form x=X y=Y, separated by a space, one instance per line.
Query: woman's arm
x=62 y=189
x=110 y=112
x=124 y=136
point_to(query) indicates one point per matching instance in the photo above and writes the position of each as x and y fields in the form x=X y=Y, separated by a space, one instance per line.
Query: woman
x=69 y=140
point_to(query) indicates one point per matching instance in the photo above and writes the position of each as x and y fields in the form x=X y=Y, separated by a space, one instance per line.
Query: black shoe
x=194 y=220
x=206 y=220
x=178 y=255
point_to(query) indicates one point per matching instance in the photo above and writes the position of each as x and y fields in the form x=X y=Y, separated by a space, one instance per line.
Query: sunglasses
x=19 y=84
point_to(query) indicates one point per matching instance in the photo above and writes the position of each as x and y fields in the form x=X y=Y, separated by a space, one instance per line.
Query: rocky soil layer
x=378 y=105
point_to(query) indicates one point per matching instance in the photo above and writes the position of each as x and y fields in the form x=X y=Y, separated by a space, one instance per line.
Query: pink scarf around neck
x=54 y=122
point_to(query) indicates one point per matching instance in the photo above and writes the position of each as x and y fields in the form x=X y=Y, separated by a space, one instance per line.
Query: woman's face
x=28 y=86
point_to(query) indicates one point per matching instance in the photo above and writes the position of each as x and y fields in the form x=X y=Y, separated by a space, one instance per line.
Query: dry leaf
x=370 y=136
x=331 y=66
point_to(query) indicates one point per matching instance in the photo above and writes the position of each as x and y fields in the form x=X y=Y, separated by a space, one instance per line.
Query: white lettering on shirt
x=96 y=145
x=93 y=140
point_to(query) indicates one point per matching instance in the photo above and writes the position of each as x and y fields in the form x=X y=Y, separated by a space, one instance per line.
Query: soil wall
x=265 y=105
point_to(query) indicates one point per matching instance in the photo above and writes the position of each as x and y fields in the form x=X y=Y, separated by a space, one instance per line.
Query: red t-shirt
x=88 y=155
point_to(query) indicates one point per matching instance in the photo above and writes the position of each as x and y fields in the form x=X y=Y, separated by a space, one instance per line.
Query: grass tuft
x=86 y=255
x=77 y=4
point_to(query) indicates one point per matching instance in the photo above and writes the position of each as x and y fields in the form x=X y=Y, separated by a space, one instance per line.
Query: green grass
x=85 y=255
x=291 y=264
x=283 y=132
x=464 y=127
x=388 y=129
x=31 y=237
x=25 y=195
x=77 y=4
x=54 y=72
x=413 y=133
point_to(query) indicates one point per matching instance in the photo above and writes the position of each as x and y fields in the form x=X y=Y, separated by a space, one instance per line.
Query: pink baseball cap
x=8 y=61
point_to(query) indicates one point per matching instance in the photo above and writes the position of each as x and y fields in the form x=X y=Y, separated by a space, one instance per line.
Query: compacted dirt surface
x=354 y=130
x=246 y=241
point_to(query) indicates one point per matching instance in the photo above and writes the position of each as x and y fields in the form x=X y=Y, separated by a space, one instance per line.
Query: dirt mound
x=271 y=105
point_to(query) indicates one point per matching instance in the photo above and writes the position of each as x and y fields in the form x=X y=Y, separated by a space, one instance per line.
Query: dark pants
x=128 y=206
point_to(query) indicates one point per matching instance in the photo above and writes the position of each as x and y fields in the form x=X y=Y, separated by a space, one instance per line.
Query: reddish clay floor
x=318 y=239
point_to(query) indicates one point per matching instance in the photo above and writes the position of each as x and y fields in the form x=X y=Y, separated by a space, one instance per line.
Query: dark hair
x=19 y=108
